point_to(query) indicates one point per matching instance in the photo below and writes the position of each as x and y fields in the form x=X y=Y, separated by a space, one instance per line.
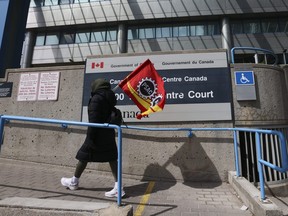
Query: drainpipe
x=122 y=38
x=28 y=50
x=284 y=56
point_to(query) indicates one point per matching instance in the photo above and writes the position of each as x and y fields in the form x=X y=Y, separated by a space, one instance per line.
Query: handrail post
x=232 y=55
x=119 y=176
x=284 y=152
x=236 y=153
x=260 y=162
x=2 y=122
x=190 y=134
x=265 y=51
x=260 y=166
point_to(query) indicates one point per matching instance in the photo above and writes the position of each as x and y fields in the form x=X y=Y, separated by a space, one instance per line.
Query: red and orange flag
x=146 y=88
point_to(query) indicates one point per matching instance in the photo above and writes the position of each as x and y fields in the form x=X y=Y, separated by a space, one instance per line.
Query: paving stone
x=42 y=181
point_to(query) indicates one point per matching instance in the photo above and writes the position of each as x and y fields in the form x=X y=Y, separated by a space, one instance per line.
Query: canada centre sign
x=198 y=85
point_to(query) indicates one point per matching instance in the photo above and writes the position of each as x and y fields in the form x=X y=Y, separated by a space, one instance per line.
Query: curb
x=21 y=206
x=250 y=195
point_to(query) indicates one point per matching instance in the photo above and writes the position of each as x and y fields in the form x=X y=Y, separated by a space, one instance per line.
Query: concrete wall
x=270 y=106
x=44 y=143
x=207 y=156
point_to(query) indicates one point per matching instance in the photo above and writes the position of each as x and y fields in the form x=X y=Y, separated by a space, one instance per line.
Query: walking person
x=99 y=144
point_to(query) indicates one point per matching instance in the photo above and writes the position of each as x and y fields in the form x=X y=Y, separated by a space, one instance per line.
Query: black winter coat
x=100 y=144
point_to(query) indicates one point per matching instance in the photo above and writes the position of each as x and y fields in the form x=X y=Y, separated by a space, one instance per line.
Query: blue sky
x=3 y=13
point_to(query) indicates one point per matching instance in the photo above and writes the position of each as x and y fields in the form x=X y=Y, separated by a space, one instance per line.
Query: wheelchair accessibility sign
x=244 y=78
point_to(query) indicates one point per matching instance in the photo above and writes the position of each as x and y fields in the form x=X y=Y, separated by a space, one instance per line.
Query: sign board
x=38 y=86
x=28 y=87
x=198 y=86
x=48 y=86
x=5 y=89
x=245 y=85
x=244 y=78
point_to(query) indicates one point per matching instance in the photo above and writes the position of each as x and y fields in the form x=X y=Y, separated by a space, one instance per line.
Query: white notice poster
x=28 y=84
x=48 y=86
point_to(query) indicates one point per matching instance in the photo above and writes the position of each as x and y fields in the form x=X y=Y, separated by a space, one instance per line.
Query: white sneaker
x=67 y=182
x=114 y=193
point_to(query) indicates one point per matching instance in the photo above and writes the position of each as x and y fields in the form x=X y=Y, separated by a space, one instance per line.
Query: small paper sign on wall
x=38 y=86
x=28 y=87
x=48 y=86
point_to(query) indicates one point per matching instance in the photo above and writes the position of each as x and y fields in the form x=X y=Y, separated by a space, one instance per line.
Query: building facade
x=60 y=35
x=63 y=32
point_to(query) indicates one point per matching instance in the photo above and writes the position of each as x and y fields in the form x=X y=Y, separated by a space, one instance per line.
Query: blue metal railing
x=254 y=49
x=258 y=132
x=64 y=124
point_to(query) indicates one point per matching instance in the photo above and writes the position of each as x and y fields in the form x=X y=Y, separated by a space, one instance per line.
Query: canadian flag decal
x=97 y=65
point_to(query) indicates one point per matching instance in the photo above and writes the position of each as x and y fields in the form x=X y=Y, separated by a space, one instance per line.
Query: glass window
x=284 y=25
x=199 y=30
x=111 y=35
x=252 y=27
x=204 y=29
x=36 y=3
x=146 y=33
x=213 y=29
x=80 y=1
x=52 y=39
x=67 y=38
x=192 y=30
x=98 y=36
x=50 y=2
x=237 y=27
x=179 y=31
x=183 y=31
x=162 y=32
x=40 y=39
x=132 y=34
x=65 y=2
x=270 y=26
x=82 y=37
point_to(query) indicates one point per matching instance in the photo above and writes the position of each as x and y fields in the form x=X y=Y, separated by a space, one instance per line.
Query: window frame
x=50 y=34
x=82 y=32
x=67 y=37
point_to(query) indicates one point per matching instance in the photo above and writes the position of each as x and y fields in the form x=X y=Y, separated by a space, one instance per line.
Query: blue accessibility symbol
x=244 y=78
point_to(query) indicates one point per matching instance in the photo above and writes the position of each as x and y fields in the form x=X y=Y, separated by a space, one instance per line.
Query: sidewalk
x=42 y=181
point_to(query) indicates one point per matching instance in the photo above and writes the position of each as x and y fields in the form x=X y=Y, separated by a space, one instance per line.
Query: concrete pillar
x=28 y=50
x=122 y=38
x=226 y=36
x=284 y=56
x=256 y=58
x=12 y=29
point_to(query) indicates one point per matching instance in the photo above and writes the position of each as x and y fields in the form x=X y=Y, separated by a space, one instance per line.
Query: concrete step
x=22 y=206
